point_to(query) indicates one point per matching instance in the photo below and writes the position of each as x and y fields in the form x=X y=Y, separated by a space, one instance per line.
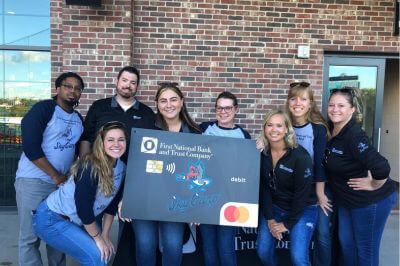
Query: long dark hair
x=354 y=98
x=183 y=115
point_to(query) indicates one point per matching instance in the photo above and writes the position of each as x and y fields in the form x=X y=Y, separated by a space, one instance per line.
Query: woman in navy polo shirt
x=364 y=200
x=285 y=189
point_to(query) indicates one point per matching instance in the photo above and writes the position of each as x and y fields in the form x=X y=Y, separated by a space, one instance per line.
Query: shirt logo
x=334 y=150
x=136 y=117
x=287 y=169
x=307 y=173
x=362 y=147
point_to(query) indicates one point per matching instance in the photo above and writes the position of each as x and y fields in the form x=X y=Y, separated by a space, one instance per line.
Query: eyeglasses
x=226 y=109
x=326 y=155
x=272 y=180
x=168 y=85
x=299 y=83
x=72 y=88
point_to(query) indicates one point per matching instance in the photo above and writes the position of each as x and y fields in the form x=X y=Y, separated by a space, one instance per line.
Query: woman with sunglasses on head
x=219 y=241
x=285 y=189
x=66 y=220
x=312 y=133
x=172 y=115
x=359 y=178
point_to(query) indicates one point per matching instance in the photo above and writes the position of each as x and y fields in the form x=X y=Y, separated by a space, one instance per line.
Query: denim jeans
x=65 y=236
x=29 y=193
x=300 y=237
x=218 y=245
x=323 y=236
x=360 y=231
x=146 y=235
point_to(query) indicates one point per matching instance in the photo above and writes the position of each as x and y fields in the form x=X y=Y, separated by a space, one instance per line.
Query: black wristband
x=96 y=235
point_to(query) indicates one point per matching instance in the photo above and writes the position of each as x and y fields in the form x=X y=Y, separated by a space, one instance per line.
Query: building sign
x=183 y=177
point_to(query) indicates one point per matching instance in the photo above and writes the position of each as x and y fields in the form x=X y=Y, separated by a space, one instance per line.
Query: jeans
x=66 y=236
x=146 y=235
x=323 y=236
x=360 y=231
x=218 y=245
x=29 y=193
x=300 y=237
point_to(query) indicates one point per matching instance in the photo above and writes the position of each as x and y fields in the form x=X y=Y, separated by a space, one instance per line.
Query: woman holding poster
x=172 y=116
x=286 y=202
x=218 y=240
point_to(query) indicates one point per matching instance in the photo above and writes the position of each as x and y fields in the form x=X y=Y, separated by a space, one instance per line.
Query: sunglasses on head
x=115 y=124
x=299 y=83
x=348 y=90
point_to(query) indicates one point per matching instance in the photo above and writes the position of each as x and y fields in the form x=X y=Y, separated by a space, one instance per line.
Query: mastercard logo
x=239 y=214
x=236 y=214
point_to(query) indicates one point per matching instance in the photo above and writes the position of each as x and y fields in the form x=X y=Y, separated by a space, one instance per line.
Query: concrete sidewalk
x=389 y=254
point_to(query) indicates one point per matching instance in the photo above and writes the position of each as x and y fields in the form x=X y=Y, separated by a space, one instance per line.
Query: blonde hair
x=313 y=115
x=101 y=164
x=290 y=138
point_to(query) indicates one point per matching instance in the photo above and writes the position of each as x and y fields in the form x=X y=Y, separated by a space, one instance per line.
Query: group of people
x=71 y=173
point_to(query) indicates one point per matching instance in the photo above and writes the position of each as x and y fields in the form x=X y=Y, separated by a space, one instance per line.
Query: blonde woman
x=285 y=188
x=66 y=220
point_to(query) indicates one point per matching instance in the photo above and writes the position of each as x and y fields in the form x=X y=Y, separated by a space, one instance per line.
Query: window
x=24 y=77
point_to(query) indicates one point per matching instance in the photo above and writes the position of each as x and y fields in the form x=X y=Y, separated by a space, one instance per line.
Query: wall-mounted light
x=303 y=51
x=83 y=2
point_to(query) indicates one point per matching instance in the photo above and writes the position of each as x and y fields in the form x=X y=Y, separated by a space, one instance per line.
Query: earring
x=286 y=136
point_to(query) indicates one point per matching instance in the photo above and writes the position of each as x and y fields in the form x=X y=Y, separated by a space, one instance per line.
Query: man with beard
x=125 y=108
x=50 y=132
x=122 y=107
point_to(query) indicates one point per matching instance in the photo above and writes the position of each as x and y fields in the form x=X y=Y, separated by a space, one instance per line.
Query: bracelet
x=96 y=235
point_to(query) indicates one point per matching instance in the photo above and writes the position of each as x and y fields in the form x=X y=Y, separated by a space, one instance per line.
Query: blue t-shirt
x=305 y=137
x=212 y=129
x=81 y=200
x=48 y=131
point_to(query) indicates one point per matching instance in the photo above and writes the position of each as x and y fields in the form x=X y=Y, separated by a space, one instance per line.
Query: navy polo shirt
x=108 y=109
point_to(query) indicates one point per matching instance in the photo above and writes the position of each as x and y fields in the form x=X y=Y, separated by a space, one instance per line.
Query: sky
x=25 y=74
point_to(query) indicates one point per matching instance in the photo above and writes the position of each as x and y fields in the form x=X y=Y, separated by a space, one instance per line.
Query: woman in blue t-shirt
x=312 y=133
x=66 y=220
x=218 y=240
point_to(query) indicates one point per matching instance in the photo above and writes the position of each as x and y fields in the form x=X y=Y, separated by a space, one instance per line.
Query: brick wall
x=247 y=47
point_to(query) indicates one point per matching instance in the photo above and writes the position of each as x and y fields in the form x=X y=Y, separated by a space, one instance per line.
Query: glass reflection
x=27 y=7
x=27 y=66
x=37 y=34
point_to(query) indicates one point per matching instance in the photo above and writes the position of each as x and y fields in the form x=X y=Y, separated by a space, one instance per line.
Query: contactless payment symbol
x=149 y=145
x=239 y=214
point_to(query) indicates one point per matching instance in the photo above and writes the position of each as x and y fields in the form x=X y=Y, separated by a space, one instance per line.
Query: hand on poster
x=120 y=213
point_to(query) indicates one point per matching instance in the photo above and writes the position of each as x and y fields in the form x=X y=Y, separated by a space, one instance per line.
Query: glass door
x=367 y=74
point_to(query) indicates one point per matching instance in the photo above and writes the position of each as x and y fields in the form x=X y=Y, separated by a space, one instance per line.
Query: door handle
x=379 y=139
